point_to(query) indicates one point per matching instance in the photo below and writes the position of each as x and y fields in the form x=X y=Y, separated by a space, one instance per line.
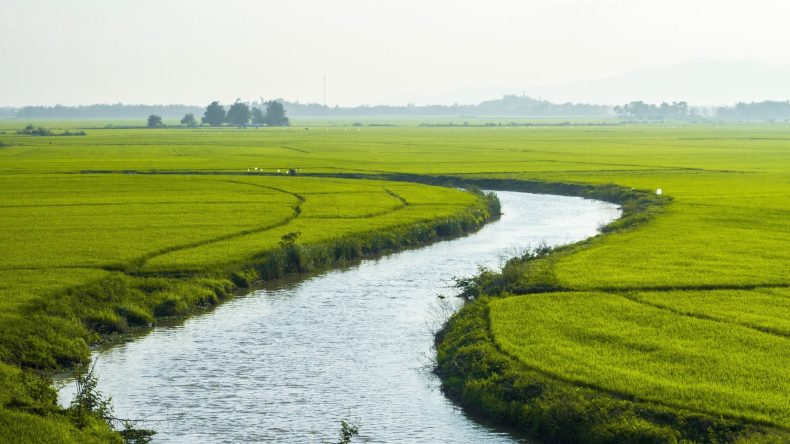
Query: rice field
x=686 y=311
x=630 y=348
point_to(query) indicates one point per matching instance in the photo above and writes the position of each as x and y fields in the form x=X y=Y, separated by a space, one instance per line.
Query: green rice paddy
x=629 y=348
x=686 y=311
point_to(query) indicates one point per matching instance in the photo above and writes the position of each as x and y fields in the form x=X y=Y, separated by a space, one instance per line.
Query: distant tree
x=646 y=111
x=35 y=131
x=766 y=110
x=214 y=115
x=189 y=120
x=238 y=114
x=154 y=121
x=258 y=117
x=275 y=114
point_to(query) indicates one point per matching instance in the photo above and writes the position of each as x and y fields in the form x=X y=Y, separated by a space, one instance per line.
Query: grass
x=110 y=221
x=698 y=278
x=650 y=353
x=763 y=309
x=90 y=253
x=720 y=222
x=70 y=231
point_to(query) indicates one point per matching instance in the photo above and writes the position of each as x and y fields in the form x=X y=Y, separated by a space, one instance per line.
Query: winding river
x=287 y=362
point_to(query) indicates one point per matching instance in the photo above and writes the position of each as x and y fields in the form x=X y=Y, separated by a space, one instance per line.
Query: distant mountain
x=463 y=96
x=507 y=106
x=701 y=82
x=697 y=81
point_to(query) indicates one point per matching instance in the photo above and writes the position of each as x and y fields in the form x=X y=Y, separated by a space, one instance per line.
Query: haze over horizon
x=608 y=52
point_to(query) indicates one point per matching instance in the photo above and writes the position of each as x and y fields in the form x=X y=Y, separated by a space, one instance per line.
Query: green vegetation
x=214 y=115
x=671 y=326
x=648 y=352
x=90 y=407
x=492 y=383
x=644 y=111
x=91 y=254
x=189 y=120
x=239 y=114
x=31 y=130
x=154 y=121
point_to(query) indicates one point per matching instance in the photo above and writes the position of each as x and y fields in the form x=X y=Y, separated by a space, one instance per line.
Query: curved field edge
x=610 y=343
x=486 y=381
x=489 y=382
x=54 y=333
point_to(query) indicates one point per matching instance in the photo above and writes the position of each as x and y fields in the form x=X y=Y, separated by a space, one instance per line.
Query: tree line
x=515 y=106
x=509 y=105
x=118 y=111
x=506 y=106
x=646 y=111
x=767 y=110
x=239 y=114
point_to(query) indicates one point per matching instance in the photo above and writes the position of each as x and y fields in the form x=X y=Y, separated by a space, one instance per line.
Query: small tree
x=291 y=252
x=189 y=120
x=154 y=121
x=90 y=405
x=348 y=430
x=238 y=114
x=275 y=114
x=215 y=114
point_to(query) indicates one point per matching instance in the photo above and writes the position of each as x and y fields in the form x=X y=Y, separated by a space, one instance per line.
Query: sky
x=371 y=51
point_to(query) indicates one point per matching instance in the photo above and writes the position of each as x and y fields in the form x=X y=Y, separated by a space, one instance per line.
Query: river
x=287 y=362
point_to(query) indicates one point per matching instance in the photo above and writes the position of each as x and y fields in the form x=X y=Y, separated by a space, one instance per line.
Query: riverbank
x=132 y=297
x=353 y=342
x=711 y=263
x=488 y=380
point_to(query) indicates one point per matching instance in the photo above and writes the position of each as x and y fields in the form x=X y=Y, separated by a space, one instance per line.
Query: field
x=88 y=253
x=649 y=352
x=682 y=313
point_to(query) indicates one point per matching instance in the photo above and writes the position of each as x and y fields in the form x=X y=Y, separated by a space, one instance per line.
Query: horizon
x=254 y=102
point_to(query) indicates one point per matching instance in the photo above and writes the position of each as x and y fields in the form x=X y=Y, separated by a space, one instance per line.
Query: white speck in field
x=659 y=191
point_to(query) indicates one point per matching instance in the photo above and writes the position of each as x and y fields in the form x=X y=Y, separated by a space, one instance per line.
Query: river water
x=286 y=363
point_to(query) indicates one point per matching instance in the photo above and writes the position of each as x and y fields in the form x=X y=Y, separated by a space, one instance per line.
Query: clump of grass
x=527 y=272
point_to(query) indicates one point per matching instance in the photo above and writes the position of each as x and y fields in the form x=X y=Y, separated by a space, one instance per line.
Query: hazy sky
x=374 y=51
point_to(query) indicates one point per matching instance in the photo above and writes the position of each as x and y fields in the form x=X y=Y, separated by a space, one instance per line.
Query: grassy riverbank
x=692 y=341
x=671 y=328
x=88 y=255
